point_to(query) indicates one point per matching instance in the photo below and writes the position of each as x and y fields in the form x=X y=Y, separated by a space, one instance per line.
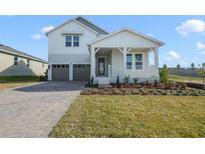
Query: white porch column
x=156 y=62
x=70 y=71
x=50 y=72
x=92 y=62
x=124 y=60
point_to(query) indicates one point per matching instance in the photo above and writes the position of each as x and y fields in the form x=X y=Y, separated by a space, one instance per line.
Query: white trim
x=66 y=63
x=129 y=30
x=74 y=19
x=97 y=60
x=70 y=72
x=137 y=47
x=97 y=50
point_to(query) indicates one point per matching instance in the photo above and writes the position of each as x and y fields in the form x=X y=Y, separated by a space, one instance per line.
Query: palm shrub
x=135 y=80
x=118 y=79
x=126 y=79
x=163 y=75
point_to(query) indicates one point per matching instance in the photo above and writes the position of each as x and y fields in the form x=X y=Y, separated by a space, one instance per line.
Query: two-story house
x=80 y=50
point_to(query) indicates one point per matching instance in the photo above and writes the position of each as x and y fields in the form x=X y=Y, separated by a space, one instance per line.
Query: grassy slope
x=133 y=116
x=19 y=78
x=16 y=81
x=184 y=78
x=4 y=86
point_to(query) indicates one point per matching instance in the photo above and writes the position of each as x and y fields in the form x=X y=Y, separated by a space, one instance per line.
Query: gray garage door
x=81 y=72
x=60 y=72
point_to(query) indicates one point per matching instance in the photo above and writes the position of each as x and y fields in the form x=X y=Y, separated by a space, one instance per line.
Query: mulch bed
x=146 y=89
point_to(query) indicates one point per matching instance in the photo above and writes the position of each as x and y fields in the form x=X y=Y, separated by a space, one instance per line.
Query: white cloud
x=172 y=55
x=42 y=32
x=200 y=45
x=46 y=29
x=191 y=26
x=37 y=36
x=149 y=34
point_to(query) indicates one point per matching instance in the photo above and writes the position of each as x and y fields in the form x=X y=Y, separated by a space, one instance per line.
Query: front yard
x=133 y=116
x=8 y=85
x=7 y=82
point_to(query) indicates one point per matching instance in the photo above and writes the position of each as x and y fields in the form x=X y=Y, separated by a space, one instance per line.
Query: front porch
x=107 y=64
x=124 y=53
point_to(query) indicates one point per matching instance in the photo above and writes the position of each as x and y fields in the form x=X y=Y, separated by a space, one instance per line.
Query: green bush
x=163 y=75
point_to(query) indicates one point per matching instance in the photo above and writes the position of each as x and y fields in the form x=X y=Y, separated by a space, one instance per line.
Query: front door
x=101 y=66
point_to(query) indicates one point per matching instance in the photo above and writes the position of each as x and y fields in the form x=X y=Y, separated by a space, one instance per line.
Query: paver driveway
x=33 y=111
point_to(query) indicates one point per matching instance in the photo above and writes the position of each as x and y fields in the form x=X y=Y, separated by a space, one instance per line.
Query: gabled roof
x=6 y=49
x=129 y=30
x=84 y=22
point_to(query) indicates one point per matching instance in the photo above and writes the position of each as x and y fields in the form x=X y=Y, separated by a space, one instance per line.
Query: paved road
x=33 y=111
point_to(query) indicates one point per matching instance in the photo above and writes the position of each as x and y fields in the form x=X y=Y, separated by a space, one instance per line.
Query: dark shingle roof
x=91 y=26
x=14 y=51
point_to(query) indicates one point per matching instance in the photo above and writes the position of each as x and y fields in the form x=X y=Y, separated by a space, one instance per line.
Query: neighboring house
x=80 y=50
x=17 y=63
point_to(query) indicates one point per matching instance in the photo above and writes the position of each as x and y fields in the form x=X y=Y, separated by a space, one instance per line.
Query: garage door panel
x=60 y=72
x=81 y=72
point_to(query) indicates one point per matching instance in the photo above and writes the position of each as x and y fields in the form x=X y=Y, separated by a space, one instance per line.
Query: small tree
x=178 y=66
x=165 y=66
x=192 y=65
x=163 y=75
x=202 y=72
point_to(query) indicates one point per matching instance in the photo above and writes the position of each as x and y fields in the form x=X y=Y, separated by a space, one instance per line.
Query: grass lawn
x=133 y=116
x=19 y=78
x=4 y=86
x=16 y=81
x=185 y=78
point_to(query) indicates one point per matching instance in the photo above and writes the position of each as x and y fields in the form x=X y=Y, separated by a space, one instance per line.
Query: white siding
x=56 y=40
x=126 y=39
x=117 y=64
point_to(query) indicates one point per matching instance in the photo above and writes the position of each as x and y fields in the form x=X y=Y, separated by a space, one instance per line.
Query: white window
x=129 y=61
x=76 y=41
x=72 y=41
x=138 y=61
x=15 y=60
x=28 y=62
x=68 y=41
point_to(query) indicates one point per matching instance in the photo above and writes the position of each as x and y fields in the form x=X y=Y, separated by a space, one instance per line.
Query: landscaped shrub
x=126 y=79
x=163 y=75
x=118 y=79
x=135 y=80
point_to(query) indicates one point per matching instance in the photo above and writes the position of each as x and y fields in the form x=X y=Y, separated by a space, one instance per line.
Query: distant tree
x=178 y=66
x=165 y=66
x=202 y=72
x=203 y=65
x=192 y=65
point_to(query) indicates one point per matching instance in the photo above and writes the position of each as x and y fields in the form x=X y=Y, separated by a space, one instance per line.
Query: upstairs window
x=138 y=61
x=129 y=61
x=28 y=62
x=76 y=41
x=68 y=40
x=72 y=41
x=15 y=60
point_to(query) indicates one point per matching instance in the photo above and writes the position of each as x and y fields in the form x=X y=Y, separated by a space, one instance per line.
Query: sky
x=184 y=36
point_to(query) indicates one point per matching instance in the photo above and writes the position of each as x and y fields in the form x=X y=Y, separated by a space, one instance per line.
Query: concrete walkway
x=33 y=111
